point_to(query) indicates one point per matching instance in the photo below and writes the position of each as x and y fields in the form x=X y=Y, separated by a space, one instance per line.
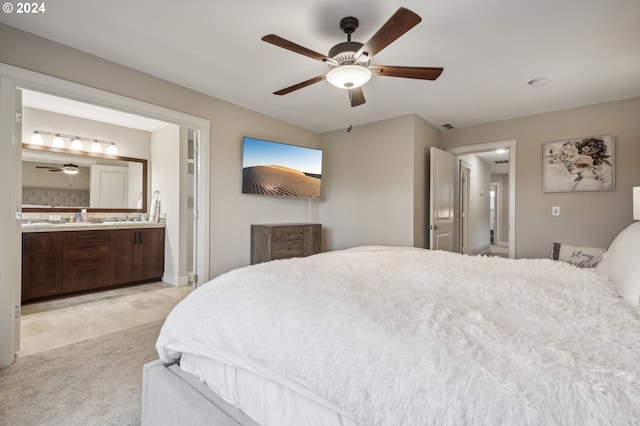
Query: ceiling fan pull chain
x=349 y=114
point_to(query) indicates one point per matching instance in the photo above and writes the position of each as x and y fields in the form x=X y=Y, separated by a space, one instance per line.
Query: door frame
x=509 y=144
x=12 y=78
x=464 y=190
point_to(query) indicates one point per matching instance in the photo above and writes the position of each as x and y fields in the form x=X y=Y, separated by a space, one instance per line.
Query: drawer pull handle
x=87 y=236
x=88 y=249
x=87 y=272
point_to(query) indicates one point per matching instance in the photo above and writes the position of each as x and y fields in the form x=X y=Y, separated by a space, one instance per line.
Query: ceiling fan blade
x=300 y=85
x=401 y=22
x=296 y=48
x=356 y=97
x=420 y=73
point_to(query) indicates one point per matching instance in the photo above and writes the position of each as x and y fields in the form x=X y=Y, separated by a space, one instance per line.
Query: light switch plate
x=555 y=211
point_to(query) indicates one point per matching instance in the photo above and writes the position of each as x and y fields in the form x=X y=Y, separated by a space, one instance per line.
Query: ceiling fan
x=349 y=61
x=70 y=169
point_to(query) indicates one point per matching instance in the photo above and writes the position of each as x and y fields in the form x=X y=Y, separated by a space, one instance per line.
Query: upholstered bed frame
x=172 y=397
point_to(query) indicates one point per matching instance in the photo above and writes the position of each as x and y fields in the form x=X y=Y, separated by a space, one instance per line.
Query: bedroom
x=586 y=219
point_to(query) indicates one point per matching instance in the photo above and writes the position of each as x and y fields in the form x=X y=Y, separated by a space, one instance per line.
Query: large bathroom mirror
x=62 y=180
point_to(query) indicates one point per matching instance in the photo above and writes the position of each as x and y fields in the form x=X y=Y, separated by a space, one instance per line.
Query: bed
x=404 y=336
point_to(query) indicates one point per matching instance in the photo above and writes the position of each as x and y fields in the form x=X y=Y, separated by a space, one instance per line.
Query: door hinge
x=18 y=215
x=18 y=117
x=17 y=311
x=195 y=278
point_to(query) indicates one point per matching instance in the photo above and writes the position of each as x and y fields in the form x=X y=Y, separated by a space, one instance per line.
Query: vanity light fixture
x=76 y=142
x=36 y=138
x=96 y=147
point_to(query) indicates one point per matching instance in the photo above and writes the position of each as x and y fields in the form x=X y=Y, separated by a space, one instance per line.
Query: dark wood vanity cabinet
x=41 y=264
x=136 y=255
x=58 y=263
x=85 y=260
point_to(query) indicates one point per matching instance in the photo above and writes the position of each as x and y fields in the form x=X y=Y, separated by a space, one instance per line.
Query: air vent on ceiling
x=501 y=161
x=447 y=126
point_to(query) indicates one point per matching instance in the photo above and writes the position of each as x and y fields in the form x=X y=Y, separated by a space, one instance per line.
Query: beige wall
x=375 y=183
x=368 y=185
x=231 y=212
x=166 y=154
x=426 y=136
x=587 y=218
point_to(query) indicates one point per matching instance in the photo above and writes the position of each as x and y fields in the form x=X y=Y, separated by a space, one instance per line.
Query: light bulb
x=77 y=144
x=36 y=138
x=112 y=150
x=57 y=141
x=96 y=147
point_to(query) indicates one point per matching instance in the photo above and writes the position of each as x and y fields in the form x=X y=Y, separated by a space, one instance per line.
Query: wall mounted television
x=274 y=168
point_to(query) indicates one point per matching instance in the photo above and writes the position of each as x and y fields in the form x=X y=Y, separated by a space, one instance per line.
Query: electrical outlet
x=55 y=217
x=555 y=211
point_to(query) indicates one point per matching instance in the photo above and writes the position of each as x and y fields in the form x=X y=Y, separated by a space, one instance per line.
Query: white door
x=108 y=187
x=10 y=211
x=465 y=212
x=441 y=210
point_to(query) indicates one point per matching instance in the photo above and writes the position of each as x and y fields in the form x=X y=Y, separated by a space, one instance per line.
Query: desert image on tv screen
x=272 y=168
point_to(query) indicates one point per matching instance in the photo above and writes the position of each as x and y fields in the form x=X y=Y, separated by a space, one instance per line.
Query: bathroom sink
x=36 y=224
x=75 y=224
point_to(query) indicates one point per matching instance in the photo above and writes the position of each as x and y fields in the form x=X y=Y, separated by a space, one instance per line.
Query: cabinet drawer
x=286 y=249
x=77 y=278
x=287 y=233
x=86 y=253
x=74 y=237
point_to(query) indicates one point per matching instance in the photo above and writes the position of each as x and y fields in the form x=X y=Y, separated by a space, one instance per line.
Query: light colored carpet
x=94 y=382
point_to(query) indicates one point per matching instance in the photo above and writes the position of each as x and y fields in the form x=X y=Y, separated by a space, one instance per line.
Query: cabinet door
x=124 y=256
x=151 y=255
x=41 y=264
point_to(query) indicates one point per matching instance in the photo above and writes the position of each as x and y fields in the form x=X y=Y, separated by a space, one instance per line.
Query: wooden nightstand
x=283 y=241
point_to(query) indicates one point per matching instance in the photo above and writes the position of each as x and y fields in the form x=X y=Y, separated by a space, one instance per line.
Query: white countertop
x=87 y=226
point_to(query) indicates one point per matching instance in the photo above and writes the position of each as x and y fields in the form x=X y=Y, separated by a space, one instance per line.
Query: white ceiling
x=73 y=108
x=588 y=49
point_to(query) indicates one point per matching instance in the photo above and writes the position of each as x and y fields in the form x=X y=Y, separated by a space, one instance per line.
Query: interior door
x=441 y=211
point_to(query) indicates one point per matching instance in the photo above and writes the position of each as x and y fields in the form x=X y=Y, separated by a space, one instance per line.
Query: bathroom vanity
x=60 y=259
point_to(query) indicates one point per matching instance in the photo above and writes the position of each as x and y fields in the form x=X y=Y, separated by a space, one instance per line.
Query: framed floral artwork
x=582 y=164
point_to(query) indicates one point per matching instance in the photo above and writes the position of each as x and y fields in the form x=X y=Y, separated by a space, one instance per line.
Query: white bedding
x=401 y=336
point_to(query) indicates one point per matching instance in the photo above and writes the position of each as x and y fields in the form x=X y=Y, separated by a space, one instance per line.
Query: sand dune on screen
x=279 y=180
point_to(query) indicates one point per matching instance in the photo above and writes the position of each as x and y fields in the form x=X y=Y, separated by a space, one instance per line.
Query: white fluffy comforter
x=417 y=337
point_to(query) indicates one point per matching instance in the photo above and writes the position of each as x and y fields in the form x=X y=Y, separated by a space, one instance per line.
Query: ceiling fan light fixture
x=348 y=76
x=70 y=169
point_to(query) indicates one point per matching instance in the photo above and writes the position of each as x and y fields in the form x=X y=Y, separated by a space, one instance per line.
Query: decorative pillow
x=621 y=263
x=583 y=257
